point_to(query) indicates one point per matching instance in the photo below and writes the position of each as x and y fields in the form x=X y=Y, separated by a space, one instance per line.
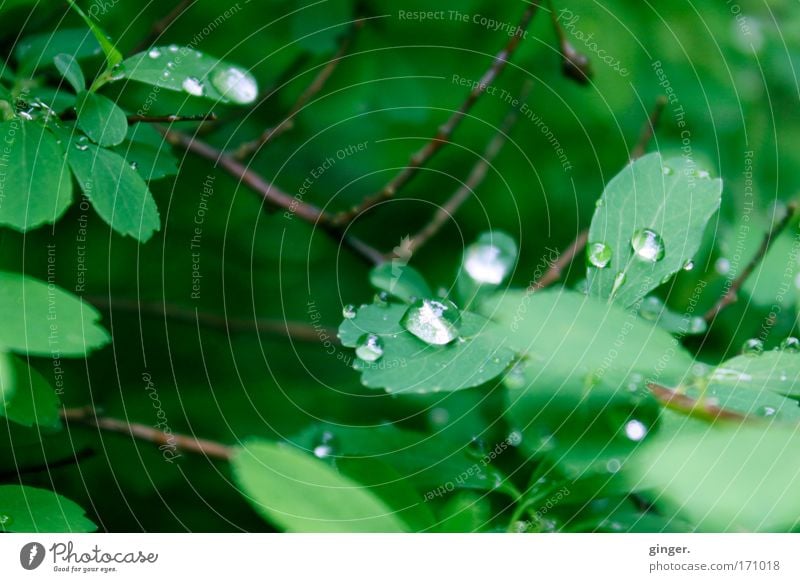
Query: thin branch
x=442 y=137
x=183 y=443
x=732 y=294
x=649 y=128
x=475 y=178
x=558 y=266
x=268 y=191
x=163 y=24
x=315 y=87
x=294 y=330
x=697 y=408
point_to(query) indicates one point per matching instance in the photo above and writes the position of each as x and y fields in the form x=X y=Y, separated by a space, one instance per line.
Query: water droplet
x=193 y=86
x=515 y=378
x=477 y=449
x=697 y=325
x=170 y=65
x=433 y=321
x=166 y=74
x=598 y=254
x=236 y=85
x=635 y=430
x=703 y=174
x=323 y=451
x=689 y=265
x=487 y=263
x=154 y=53
x=753 y=347
x=439 y=417
x=134 y=165
x=613 y=465
x=25 y=115
x=82 y=143
x=173 y=48
x=619 y=281
x=647 y=245
x=6 y=520
x=349 y=311
x=666 y=170
x=382 y=299
x=722 y=266
x=370 y=348
x=651 y=308
x=791 y=344
x=515 y=438
x=767 y=411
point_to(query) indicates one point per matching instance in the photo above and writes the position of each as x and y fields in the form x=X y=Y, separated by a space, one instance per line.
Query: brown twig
x=697 y=408
x=732 y=294
x=558 y=266
x=183 y=443
x=162 y=24
x=445 y=131
x=315 y=87
x=269 y=192
x=294 y=330
x=649 y=128
x=475 y=178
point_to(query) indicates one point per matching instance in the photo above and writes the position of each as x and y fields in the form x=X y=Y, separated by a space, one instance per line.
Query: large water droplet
x=236 y=85
x=349 y=311
x=193 y=86
x=154 y=53
x=753 y=347
x=370 y=348
x=791 y=344
x=487 y=263
x=433 y=321
x=647 y=245
x=635 y=430
x=598 y=254
x=82 y=143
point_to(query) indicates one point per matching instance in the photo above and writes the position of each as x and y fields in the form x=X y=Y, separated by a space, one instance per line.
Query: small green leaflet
x=660 y=207
x=410 y=365
x=399 y=280
x=26 y=509
x=101 y=119
x=149 y=151
x=739 y=478
x=33 y=400
x=117 y=191
x=44 y=320
x=37 y=188
x=192 y=72
x=69 y=68
x=301 y=493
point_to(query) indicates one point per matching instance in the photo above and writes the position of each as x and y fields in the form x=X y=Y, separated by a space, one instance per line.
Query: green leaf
x=743 y=477
x=747 y=400
x=36 y=188
x=117 y=191
x=399 y=280
x=409 y=365
x=44 y=320
x=26 y=509
x=191 y=72
x=33 y=400
x=113 y=56
x=39 y=50
x=672 y=199
x=777 y=371
x=69 y=68
x=101 y=119
x=466 y=511
x=149 y=152
x=653 y=309
x=303 y=494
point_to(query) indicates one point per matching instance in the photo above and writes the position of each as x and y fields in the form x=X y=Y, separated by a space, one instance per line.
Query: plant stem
x=442 y=137
x=184 y=443
x=161 y=25
x=649 y=128
x=557 y=268
x=293 y=330
x=475 y=178
x=315 y=87
x=732 y=294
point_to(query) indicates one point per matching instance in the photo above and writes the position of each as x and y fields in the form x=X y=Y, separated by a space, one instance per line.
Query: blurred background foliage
x=737 y=87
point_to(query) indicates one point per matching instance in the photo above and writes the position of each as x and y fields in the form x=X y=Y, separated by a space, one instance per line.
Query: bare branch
x=442 y=137
x=184 y=443
x=163 y=24
x=315 y=87
x=732 y=294
x=557 y=268
x=649 y=128
x=475 y=178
